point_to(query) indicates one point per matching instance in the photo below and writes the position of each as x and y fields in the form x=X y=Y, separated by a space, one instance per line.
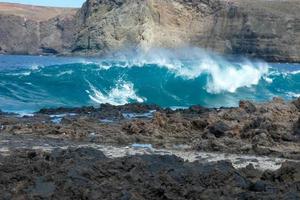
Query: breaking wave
x=177 y=78
x=121 y=94
x=223 y=74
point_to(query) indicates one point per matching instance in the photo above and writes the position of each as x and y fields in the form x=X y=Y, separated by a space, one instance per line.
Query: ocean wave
x=68 y=72
x=295 y=72
x=293 y=94
x=167 y=78
x=121 y=94
x=191 y=63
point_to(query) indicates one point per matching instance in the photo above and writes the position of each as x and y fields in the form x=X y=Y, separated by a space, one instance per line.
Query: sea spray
x=224 y=75
x=168 y=78
x=121 y=94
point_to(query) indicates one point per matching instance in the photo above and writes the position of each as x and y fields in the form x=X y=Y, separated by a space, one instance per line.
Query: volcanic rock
x=87 y=173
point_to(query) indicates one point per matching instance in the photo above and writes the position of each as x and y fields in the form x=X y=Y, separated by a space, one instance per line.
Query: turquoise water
x=29 y=83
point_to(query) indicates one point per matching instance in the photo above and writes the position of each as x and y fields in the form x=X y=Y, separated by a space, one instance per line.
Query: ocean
x=162 y=77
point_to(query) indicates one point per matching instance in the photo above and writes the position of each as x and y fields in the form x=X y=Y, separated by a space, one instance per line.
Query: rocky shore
x=87 y=173
x=271 y=128
x=141 y=151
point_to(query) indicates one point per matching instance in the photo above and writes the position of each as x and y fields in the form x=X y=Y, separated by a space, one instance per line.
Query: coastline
x=69 y=131
x=87 y=32
x=138 y=153
x=270 y=128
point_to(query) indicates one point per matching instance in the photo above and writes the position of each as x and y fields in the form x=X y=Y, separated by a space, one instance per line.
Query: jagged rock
x=297 y=128
x=219 y=129
x=297 y=103
x=272 y=132
x=263 y=29
x=86 y=173
x=200 y=124
x=247 y=106
x=258 y=186
x=261 y=139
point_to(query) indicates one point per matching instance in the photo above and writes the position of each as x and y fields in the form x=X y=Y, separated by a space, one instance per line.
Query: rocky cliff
x=256 y=28
x=35 y=30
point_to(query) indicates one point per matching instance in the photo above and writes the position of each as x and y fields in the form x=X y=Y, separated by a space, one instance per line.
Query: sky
x=56 y=3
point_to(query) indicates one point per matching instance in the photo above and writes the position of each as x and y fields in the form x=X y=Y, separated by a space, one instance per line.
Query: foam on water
x=178 y=78
x=119 y=95
x=190 y=63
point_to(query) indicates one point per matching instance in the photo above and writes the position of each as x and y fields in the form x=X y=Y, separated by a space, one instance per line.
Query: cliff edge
x=263 y=29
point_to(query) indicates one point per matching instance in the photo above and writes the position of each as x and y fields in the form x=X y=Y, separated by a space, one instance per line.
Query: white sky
x=56 y=3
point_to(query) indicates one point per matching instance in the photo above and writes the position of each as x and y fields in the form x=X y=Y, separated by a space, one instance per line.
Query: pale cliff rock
x=256 y=28
x=35 y=30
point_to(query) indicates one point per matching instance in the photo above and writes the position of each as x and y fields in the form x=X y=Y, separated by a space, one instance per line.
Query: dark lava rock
x=219 y=129
x=105 y=111
x=274 y=131
x=197 y=109
x=86 y=173
x=261 y=139
x=200 y=124
x=297 y=103
x=297 y=127
x=63 y=110
x=258 y=186
x=248 y=106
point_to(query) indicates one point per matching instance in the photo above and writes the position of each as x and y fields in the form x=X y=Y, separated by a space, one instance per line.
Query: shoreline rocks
x=87 y=173
x=272 y=128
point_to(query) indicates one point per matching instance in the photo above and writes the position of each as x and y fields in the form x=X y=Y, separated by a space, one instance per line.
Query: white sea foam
x=68 y=72
x=190 y=63
x=293 y=94
x=35 y=67
x=295 y=72
x=121 y=94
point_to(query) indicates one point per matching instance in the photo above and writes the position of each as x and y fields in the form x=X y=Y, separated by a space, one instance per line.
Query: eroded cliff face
x=35 y=30
x=106 y=26
x=264 y=29
x=258 y=28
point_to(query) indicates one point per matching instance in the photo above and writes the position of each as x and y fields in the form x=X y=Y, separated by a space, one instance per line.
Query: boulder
x=219 y=129
x=248 y=106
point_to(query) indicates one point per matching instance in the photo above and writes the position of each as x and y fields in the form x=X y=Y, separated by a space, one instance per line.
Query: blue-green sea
x=29 y=83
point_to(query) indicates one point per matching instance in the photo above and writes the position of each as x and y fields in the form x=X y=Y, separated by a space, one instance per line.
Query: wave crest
x=121 y=94
x=190 y=63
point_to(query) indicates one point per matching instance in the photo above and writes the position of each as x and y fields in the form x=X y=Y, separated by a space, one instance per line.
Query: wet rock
x=297 y=128
x=42 y=189
x=288 y=137
x=247 y=106
x=258 y=186
x=86 y=173
x=233 y=130
x=250 y=172
x=278 y=100
x=200 y=124
x=219 y=129
x=261 y=139
x=62 y=110
x=297 y=103
x=261 y=150
x=197 y=109
x=160 y=119
x=289 y=172
x=138 y=127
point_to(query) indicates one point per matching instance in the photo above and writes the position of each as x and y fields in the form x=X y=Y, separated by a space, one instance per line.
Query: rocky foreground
x=271 y=128
x=113 y=152
x=265 y=29
x=86 y=173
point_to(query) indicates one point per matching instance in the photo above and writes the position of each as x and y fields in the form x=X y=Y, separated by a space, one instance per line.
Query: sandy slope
x=36 y=13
